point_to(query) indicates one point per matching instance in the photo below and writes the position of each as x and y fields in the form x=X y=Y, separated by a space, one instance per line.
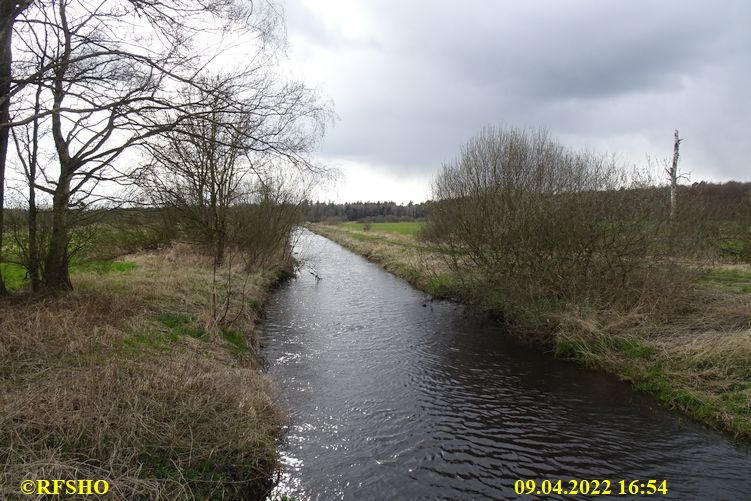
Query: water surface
x=392 y=396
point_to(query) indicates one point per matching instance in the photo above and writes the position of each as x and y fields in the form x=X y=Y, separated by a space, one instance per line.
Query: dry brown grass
x=699 y=360
x=95 y=386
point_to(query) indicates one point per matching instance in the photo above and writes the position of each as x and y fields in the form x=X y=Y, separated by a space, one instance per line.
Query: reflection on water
x=392 y=396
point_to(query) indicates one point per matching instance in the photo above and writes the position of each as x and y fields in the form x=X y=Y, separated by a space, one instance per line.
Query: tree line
x=363 y=211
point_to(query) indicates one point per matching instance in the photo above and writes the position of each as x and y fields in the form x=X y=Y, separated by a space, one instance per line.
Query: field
x=697 y=360
x=15 y=274
x=411 y=228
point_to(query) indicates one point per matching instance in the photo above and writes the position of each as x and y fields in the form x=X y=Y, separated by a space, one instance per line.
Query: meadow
x=409 y=228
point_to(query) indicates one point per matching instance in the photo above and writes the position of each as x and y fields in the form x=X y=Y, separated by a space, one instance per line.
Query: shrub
x=537 y=222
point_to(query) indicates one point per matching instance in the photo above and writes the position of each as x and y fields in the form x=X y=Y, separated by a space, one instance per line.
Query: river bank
x=146 y=376
x=698 y=360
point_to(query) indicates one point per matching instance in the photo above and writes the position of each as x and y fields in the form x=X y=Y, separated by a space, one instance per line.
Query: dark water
x=391 y=399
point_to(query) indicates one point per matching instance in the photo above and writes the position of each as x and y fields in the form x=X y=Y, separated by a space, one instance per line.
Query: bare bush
x=262 y=225
x=247 y=126
x=537 y=222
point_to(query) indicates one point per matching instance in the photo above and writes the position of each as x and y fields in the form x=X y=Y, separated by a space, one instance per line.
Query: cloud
x=412 y=81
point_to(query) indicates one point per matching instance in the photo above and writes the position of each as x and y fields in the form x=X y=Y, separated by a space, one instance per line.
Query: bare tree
x=27 y=144
x=194 y=168
x=264 y=218
x=674 y=176
x=238 y=127
x=110 y=80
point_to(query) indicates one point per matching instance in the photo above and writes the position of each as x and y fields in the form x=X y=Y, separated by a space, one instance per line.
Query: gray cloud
x=620 y=76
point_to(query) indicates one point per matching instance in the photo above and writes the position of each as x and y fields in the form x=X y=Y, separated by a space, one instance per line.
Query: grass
x=735 y=278
x=697 y=360
x=236 y=339
x=14 y=275
x=144 y=341
x=182 y=325
x=103 y=267
x=131 y=379
x=408 y=228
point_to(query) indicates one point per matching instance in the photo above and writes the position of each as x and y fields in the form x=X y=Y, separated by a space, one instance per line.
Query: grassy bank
x=145 y=376
x=697 y=360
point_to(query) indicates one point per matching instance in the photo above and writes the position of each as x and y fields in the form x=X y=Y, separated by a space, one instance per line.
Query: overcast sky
x=412 y=80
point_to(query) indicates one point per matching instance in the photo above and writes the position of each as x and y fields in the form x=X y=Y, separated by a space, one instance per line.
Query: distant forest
x=723 y=200
x=364 y=211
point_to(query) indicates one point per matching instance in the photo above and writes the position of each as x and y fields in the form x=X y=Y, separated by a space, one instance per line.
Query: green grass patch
x=180 y=325
x=632 y=349
x=737 y=280
x=173 y=320
x=103 y=267
x=655 y=380
x=566 y=348
x=590 y=352
x=362 y=237
x=409 y=228
x=147 y=340
x=404 y=271
x=442 y=284
x=14 y=275
x=585 y=352
x=236 y=339
x=727 y=276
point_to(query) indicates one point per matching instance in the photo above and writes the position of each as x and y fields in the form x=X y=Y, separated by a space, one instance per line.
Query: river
x=394 y=396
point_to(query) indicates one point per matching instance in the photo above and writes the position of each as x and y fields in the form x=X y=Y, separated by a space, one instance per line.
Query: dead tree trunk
x=673 y=175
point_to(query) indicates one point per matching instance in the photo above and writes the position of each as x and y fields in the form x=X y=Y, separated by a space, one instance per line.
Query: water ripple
x=392 y=400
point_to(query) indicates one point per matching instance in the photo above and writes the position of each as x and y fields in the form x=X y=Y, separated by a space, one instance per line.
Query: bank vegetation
x=578 y=254
x=148 y=194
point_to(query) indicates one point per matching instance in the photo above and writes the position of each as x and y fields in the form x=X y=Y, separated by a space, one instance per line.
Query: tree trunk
x=673 y=172
x=220 y=240
x=7 y=13
x=33 y=262
x=56 y=273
